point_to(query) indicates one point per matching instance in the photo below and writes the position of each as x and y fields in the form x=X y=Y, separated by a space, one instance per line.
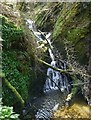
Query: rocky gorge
x=46 y=57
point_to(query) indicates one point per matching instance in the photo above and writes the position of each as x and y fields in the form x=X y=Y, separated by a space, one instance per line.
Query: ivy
x=17 y=74
x=14 y=61
x=10 y=32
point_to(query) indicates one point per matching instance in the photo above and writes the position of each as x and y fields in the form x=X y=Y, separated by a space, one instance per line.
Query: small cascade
x=51 y=47
x=55 y=80
x=32 y=27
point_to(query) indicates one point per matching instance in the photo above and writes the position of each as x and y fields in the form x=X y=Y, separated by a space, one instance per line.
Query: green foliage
x=76 y=34
x=7 y=112
x=15 y=62
x=17 y=74
x=76 y=38
x=71 y=31
x=46 y=17
x=65 y=19
x=10 y=32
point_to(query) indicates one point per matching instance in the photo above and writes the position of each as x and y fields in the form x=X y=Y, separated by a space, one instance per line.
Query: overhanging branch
x=68 y=71
x=55 y=68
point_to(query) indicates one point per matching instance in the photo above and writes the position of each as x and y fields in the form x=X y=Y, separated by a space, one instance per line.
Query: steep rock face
x=19 y=58
x=72 y=26
x=15 y=60
x=69 y=23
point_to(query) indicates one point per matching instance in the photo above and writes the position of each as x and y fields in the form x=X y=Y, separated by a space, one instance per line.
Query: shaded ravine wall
x=70 y=26
x=19 y=59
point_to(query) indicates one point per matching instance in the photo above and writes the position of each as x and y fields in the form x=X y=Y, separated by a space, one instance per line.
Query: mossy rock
x=72 y=27
x=16 y=65
x=18 y=74
x=46 y=18
x=70 y=24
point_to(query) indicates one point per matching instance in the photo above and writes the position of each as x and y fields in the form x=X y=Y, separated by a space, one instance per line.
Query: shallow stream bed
x=50 y=103
x=78 y=109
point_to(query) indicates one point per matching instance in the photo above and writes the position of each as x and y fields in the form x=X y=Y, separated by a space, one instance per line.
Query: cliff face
x=19 y=58
x=70 y=26
x=71 y=38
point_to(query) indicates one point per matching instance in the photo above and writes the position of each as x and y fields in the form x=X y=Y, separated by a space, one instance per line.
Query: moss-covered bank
x=70 y=28
x=14 y=60
x=19 y=60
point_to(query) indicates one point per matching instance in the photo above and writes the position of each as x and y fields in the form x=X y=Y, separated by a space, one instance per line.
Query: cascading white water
x=55 y=79
x=51 y=47
x=32 y=27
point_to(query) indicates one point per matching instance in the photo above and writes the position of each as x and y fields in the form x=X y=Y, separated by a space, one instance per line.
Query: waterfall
x=55 y=79
x=32 y=27
x=51 y=47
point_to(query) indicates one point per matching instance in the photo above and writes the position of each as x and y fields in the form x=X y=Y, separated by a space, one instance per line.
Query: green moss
x=17 y=73
x=10 y=32
x=76 y=34
x=76 y=38
x=65 y=19
x=81 y=53
x=16 y=65
x=72 y=27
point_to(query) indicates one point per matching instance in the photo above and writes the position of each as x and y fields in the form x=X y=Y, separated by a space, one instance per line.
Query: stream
x=47 y=62
x=57 y=84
